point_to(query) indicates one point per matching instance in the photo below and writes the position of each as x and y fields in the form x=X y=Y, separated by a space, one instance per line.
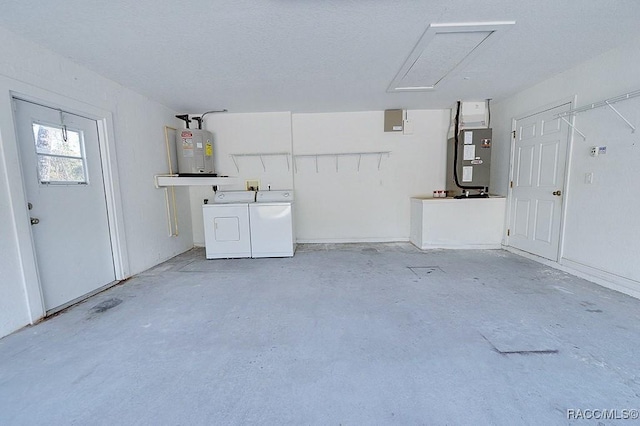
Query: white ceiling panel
x=442 y=50
x=441 y=56
x=313 y=56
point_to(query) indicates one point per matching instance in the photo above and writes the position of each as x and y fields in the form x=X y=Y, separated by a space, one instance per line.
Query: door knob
x=557 y=193
x=35 y=221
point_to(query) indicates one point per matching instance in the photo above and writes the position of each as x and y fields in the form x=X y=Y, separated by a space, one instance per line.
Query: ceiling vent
x=441 y=51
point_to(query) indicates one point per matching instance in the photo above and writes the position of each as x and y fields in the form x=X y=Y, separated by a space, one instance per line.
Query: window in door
x=61 y=155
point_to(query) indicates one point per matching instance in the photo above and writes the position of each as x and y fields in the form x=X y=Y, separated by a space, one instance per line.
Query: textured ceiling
x=320 y=55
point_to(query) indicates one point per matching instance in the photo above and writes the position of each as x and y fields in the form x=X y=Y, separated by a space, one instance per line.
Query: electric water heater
x=195 y=152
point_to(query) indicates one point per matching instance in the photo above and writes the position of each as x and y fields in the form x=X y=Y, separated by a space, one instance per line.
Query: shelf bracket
x=633 y=128
x=584 y=138
x=262 y=156
x=379 y=160
x=316 y=164
x=359 y=159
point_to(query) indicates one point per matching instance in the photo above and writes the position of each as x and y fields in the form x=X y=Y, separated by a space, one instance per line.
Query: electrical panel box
x=393 y=120
x=469 y=162
x=195 y=152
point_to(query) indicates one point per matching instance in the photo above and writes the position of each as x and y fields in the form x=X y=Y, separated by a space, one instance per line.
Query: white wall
x=601 y=231
x=135 y=132
x=371 y=204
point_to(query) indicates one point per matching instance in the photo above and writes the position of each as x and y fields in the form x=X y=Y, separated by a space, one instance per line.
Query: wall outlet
x=594 y=151
x=252 y=185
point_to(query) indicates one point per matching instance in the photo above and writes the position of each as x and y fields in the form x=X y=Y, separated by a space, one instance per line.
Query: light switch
x=588 y=178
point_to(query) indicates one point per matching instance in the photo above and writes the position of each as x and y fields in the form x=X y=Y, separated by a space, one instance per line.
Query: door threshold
x=59 y=309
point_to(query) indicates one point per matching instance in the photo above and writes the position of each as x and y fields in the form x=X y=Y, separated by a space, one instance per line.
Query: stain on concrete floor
x=105 y=305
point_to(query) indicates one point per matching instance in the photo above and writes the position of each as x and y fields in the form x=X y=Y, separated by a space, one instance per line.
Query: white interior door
x=62 y=173
x=540 y=152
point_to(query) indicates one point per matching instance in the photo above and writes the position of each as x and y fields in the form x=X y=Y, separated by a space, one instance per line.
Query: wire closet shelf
x=604 y=103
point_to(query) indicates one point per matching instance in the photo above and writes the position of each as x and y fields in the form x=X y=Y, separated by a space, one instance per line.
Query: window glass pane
x=49 y=140
x=60 y=169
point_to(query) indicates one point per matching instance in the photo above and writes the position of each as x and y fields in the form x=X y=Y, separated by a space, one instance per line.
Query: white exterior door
x=539 y=156
x=62 y=174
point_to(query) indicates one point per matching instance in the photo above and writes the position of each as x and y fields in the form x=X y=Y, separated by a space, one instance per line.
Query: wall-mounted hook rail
x=261 y=155
x=604 y=103
x=337 y=156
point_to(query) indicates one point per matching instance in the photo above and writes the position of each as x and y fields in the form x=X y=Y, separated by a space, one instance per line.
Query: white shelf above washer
x=175 y=180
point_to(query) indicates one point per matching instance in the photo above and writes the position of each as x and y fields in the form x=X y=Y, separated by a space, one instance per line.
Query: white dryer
x=226 y=225
x=271 y=218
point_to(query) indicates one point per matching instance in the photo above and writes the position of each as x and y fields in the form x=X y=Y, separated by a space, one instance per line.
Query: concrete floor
x=348 y=334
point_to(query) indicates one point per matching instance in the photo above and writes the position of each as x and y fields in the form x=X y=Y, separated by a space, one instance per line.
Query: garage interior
x=398 y=306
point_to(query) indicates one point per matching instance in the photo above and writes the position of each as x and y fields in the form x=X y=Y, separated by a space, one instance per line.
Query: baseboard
x=597 y=276
x=603 y=278
x=350 y=240
x=460 y=246
x=338 y=241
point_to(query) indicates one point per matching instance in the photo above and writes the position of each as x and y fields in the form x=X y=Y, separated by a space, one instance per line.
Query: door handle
x=557 y=193
x=35 y=221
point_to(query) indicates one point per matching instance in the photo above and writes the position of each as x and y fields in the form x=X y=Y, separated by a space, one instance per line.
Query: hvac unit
x=469 y=151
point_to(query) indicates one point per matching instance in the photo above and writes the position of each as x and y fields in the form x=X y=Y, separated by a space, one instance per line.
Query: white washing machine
x=226 y=225
x=271 y=218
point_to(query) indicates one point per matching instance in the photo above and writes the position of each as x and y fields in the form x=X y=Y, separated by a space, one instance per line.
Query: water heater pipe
x=185 y=118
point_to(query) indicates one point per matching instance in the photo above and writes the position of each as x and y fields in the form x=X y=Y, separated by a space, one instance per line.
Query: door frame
x=17 y=191
x=567 y=171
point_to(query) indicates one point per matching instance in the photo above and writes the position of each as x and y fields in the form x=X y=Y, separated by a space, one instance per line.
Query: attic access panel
x=443 y=50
